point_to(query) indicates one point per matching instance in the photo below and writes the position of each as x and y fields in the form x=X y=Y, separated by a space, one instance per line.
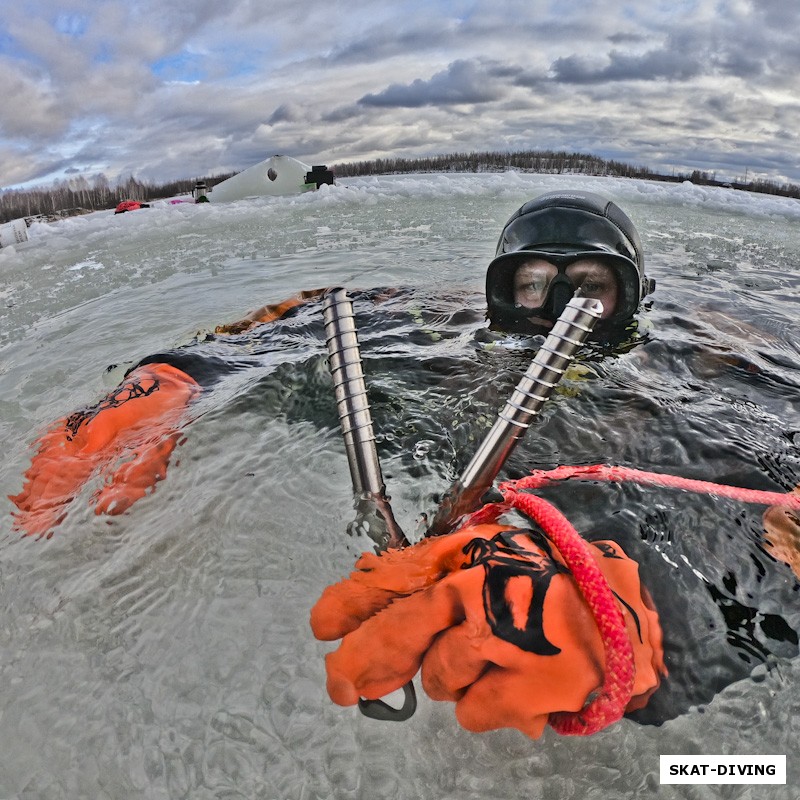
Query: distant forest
x=73 y=196
x=78 y=196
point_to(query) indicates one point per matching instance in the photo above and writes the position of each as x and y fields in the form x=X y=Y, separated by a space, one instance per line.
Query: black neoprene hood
x=561 y=226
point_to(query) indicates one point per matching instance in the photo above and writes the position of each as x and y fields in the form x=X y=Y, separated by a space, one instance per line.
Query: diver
x=554 y=246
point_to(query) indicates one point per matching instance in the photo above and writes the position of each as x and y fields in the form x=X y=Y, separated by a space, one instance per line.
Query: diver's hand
x=132 y=480
x=494 y=620
x=127 y=438
x=782 y=529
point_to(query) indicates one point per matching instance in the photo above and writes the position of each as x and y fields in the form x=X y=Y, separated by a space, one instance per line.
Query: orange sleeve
x=269 y=312
x=127 y=438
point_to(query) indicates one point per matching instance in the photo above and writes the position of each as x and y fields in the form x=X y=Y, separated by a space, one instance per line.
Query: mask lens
x=532 y=282
x=595 y=280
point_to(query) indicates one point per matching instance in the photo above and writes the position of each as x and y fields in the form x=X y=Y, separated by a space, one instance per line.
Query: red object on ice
x=127 y=205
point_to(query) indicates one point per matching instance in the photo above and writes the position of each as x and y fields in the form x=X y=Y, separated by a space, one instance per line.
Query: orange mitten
x=128 y=438
x=495 y=621
x=782 y=540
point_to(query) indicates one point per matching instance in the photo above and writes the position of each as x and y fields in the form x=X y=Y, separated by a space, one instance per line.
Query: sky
x=164 y=90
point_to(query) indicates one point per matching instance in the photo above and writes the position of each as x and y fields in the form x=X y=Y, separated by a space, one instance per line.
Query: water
x=165 y=653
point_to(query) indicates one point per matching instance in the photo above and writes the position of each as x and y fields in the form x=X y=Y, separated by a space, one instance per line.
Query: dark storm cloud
x=462 y=82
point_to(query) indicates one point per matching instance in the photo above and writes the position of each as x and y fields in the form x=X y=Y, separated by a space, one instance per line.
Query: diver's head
x=558 y=245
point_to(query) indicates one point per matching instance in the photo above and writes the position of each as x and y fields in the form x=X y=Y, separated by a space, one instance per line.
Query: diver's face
x=589 y=277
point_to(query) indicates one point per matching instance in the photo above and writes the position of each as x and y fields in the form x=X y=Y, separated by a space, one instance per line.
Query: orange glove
x=782 y=527
x=128 y=438
x=494 y=619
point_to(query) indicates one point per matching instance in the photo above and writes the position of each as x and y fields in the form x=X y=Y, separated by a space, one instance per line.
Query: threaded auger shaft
x=344 y=360
x=537 y=384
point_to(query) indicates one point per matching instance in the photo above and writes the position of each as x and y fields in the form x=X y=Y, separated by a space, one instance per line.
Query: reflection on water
x=166 y=652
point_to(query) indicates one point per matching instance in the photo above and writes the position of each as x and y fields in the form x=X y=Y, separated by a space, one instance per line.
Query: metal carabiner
x=378 y=709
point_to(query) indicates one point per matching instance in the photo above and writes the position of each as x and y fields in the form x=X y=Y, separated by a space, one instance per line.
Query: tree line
x=78 y=195
x=541 y=161
x=552 y=162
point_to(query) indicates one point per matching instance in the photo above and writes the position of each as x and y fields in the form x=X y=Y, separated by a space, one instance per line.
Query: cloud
x=462 y=82
x=170 y=90
x=423 y=32
x=663 y=64
x=286 y=112
x=31 y=110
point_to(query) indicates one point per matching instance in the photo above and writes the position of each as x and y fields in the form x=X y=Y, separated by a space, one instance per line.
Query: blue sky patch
x=183 y=67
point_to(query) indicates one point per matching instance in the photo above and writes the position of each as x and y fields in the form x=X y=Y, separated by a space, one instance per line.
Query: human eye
x=593 y=288
x=531 y=291
x=535 y=285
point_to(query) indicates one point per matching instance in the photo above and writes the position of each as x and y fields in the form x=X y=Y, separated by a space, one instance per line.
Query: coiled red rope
x=610 y=702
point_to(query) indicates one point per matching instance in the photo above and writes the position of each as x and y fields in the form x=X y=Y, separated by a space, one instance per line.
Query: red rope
x=601 y=472
x=615 y=693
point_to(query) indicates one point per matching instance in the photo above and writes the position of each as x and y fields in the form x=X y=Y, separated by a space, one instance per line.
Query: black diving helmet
x=562 y=228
